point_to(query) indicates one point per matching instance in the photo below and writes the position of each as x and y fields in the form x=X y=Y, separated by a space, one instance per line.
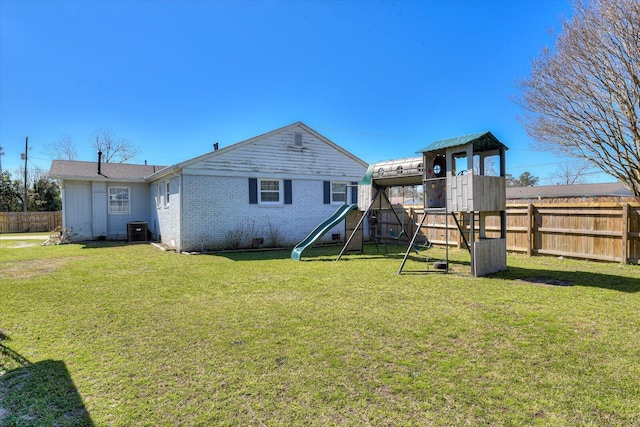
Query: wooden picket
x=23 y=222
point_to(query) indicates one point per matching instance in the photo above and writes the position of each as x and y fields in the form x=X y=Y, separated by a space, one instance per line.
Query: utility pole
x=26 y=193
x=1 y=154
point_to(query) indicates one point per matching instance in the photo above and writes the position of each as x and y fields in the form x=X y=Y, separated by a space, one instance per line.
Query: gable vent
x=297 y=140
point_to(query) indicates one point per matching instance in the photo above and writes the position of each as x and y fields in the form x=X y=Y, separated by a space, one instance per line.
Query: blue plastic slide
x=321 y=230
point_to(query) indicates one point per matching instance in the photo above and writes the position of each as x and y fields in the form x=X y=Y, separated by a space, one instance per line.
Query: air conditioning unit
x=137 y=232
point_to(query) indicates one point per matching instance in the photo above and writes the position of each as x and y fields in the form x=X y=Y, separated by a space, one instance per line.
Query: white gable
x=294 y=151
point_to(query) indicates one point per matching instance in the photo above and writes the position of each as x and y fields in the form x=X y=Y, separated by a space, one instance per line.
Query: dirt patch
x=31 y=268
x=546 y=281
x=22 y=245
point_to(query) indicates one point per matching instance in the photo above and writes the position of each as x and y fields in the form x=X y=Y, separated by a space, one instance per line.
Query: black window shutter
x=354 y=193
x=288 y=199
x=327 y=192
x=253 y=191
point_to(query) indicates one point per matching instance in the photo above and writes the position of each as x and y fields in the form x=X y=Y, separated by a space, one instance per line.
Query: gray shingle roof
x=575 y=190
x=72 y=169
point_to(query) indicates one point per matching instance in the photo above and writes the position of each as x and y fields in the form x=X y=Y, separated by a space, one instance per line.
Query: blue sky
x=381 y=79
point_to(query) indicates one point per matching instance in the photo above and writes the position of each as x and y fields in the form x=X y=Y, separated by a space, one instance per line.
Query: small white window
x=270 y=191
x=338 y=192
x=166 y=193
x=119 y=202
x=158 y=195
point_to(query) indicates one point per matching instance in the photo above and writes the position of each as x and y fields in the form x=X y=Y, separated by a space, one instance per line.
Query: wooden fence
x=597 y=231
x=23 y=222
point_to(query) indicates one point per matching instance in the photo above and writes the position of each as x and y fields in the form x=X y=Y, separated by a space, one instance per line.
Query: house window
x=166 y=193
x=339 y=192
x=270 y=191
x=119 y=202
x=158 y=195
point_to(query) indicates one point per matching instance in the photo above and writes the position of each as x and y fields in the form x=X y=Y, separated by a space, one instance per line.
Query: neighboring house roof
x=242 y=144
x=484 y=141
x=575 y=190
x=122 y=172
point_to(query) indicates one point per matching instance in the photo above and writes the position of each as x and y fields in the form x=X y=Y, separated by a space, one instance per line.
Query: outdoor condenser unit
x=137 y=232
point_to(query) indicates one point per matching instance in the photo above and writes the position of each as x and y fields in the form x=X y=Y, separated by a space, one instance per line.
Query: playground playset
x=458 y=176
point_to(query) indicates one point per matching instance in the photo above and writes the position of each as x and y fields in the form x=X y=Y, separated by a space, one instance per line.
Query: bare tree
x=571 y=173
x=61 y=149
x=115 y=149
x=584 y=99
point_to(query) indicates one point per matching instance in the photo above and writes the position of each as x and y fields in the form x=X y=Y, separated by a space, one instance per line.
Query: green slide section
x=367 y=179
x=321 y=230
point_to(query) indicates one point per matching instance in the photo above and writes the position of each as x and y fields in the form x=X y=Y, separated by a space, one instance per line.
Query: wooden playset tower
x=467 y=175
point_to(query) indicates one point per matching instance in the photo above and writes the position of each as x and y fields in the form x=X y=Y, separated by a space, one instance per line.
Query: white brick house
x=269 y=190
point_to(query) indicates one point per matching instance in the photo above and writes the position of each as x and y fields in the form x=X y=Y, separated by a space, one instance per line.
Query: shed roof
x=484 y=141
x=73 y=169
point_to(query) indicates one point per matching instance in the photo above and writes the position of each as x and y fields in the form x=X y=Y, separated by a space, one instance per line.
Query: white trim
x=266 y=175
x=158 y=191
x=346 y=193
x=166 y=192
x=280 y=192
x=128 y=199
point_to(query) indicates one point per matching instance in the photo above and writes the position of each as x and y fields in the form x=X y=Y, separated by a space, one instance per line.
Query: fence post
x=625 y=232
x=530 y=224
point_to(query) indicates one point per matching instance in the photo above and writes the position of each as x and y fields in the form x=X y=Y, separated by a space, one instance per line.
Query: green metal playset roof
x=484 y=141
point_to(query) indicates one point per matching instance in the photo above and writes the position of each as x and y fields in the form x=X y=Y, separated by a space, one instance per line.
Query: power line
x=546 y=164
x=373 y=134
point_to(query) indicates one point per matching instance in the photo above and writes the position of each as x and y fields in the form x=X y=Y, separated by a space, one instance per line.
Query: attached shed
x=100 y=199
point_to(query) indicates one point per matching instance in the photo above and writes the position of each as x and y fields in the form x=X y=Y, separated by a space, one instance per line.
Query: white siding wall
x=277 y=155
x=216 y=209
x=99 y=208
x=77 y=208
x=139 y=210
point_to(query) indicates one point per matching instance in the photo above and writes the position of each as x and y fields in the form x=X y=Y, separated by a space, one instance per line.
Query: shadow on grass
x=321 y=253
x=41 y=393
x=459 y=263
x=99 y=244
x=329 y=253
x=550 y=277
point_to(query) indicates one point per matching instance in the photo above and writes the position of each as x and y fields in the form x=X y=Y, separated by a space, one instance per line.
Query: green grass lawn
x=121 y=335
